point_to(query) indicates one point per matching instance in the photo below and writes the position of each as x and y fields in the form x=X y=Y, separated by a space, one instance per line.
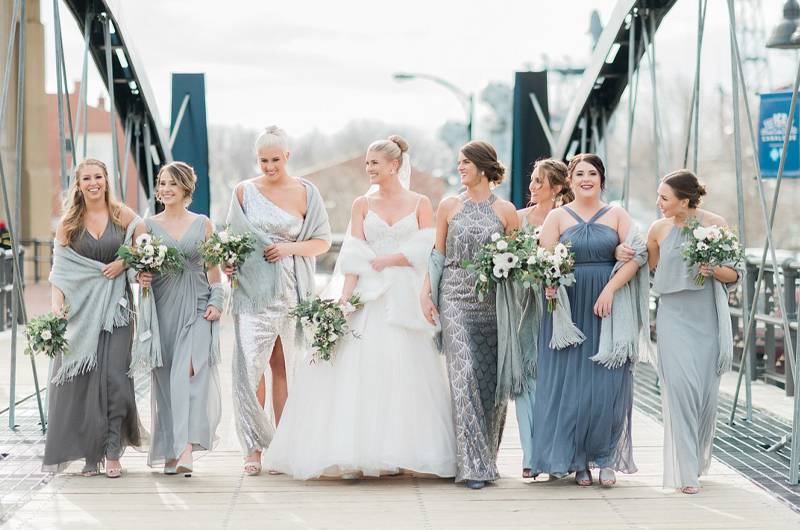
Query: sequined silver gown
x=256 y=333
x=469 y=342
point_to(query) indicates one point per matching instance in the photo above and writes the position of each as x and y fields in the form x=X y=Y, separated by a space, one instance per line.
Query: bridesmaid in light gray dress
x=688 y=334
x=548 y=187
x=186 y=404
x=469 y=326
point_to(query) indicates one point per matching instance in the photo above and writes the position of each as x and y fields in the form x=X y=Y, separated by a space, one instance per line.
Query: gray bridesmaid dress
x=469 y=342
x=688 y=346
x=184 y=409
x=93 y=416
x=583 y=410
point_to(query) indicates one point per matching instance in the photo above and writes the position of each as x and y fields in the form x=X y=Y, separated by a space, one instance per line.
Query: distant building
x=341 y=182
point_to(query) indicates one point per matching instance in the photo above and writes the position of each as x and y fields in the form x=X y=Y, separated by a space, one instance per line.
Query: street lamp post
x=466 y=100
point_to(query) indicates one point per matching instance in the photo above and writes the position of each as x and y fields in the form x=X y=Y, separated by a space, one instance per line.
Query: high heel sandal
x=252 y=467
x=113 y=472
x=171 y=469
x=690 y=490
x=527 y=473
x=583 y=478
x=607 y=477
x=185 y=468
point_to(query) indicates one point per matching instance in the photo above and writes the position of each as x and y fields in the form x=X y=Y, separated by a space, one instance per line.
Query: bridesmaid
x=688 y=333
x=288 y=217
x=92 y=406
x=585 y=406
x=469 y=326
x=186 y=402
x=549 y=188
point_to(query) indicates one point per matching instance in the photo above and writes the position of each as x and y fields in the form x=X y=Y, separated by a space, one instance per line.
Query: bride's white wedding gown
x=382 y=404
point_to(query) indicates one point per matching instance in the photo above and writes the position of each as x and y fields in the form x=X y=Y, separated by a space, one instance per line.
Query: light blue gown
x=583 y=410
x=186 y=409
x=523 y=403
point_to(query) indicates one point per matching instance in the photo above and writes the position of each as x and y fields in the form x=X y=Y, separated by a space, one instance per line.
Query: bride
x=381 y=405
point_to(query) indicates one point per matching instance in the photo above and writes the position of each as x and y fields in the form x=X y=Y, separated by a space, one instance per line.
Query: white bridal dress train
x=382 y=404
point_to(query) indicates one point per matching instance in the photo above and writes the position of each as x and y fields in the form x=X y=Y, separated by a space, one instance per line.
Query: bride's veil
x=334 y=287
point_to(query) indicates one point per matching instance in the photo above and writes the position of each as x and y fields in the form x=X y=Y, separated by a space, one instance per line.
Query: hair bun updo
x=685 y=185
x=400 y=141
x=484 y=156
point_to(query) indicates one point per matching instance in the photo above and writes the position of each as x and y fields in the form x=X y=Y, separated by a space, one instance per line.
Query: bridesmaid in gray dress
x=93 y=416
x=688 y=338
x=583 y=410
x=186 y=401
x=549 y=187
x=469 y=326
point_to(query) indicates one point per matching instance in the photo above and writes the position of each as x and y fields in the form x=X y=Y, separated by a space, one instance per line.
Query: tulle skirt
x=381 y=405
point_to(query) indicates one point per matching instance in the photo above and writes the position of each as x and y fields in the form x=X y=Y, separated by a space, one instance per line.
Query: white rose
x=502 y=245
x=224 y=237
x=495 y=236
x=149 y=250
x=46 y=335
x=143 y=240
x=699 y=233
x=713 y=233
x=483 y=278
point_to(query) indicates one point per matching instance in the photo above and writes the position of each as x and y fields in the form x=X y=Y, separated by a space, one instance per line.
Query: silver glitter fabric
x=256 y=333
x=469 y=340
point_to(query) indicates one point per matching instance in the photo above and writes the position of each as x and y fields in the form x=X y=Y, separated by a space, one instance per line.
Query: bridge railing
x=39 y=255
x=769 y=361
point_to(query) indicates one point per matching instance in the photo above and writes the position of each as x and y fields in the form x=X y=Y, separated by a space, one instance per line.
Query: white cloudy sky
x=318 y=64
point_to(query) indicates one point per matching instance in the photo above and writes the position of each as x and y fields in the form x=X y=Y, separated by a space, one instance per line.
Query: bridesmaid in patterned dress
x=469 y=326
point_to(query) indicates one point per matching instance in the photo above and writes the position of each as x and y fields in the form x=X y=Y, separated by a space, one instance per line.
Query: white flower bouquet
x=150 y=254
x=327 y=322
x=710 y=245
x=556 y=269
x=47 y=334
x=502 y=258
x=227 y=249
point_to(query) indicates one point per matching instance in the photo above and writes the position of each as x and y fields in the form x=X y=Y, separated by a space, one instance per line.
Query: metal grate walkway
x=741 y=446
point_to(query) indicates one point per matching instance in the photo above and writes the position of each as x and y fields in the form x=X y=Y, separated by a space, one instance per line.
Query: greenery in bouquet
x=327 y=322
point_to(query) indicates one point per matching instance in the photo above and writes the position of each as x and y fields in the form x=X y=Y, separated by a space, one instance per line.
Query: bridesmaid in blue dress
x=583 y=409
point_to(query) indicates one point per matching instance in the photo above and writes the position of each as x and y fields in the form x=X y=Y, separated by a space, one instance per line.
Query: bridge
x=758 y=449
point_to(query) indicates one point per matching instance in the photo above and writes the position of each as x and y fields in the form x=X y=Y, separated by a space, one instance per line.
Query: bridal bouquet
x=503 y=257
x=47 y=334
x=327 y=321
x=150 y=254
x=710 y=245
x=555 y=269
x=224 y=248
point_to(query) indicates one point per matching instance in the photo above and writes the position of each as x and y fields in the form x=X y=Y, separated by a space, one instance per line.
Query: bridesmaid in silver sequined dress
x=264 y=359
x=469 y=326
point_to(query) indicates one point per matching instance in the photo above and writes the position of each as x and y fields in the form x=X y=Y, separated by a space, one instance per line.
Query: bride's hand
x=428 y=309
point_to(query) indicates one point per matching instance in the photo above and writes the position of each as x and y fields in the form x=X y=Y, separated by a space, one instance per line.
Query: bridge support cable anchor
x=19 y=311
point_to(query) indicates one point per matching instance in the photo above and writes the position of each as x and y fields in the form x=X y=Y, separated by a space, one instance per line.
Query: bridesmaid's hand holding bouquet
x=150 y=254
x=47 y=334
x=555 y=269
x=710 y=246
x=327 y=322
x=228 y=250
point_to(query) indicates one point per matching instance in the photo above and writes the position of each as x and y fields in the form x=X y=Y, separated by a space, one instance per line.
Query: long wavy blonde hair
x=75 y=206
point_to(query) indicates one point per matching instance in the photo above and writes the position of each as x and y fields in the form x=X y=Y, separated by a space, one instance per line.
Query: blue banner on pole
x=772 y=118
